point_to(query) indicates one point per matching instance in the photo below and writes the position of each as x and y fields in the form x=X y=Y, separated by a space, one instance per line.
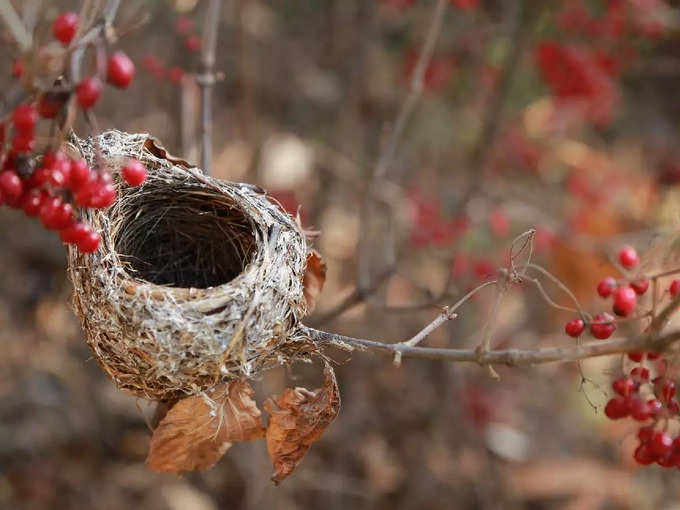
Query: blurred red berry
x=193 y=43
x=628 y=257
x=636 y=356
x=11 y=185
x=24 y=117
x=606 y=286
x=184 y=25
x=574 y=327
x=640 y=286
x=88 y=92
x=624 y=386
x=603 y=326
x=18 y=68
x=674 y=288
x=625 y=301
x=616 y=408
x=89 y=242
x=65 y=27
x=134 y=172
x=120 y=70
x=660 y=443
x=643 y=455
x=640 y=374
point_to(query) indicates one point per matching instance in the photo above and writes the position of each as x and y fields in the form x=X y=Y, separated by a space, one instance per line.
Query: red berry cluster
x=646 y=400
x=624 y=299
x=53 y=188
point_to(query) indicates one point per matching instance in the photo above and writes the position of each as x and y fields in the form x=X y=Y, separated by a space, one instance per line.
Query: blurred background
x=556 y=115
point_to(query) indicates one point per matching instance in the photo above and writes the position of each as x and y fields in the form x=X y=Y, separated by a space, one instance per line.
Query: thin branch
x=15 y=26
x=406 y=111
x=408 y=107
x=510 y=357
x=207 y=80
x=356 y=297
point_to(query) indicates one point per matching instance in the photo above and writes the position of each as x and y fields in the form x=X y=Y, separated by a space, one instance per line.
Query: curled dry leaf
x=198 y=430
x=315 y=277
x=298 y=418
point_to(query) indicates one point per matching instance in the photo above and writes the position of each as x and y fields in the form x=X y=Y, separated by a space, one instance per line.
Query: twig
x=387 y=156
x=520 y=34
x=207 y=80
x=408 y=107
x=510 y=357
x=357 y=296
x=15 y=26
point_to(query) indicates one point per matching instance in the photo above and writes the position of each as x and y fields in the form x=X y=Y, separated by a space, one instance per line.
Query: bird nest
x=196 y=280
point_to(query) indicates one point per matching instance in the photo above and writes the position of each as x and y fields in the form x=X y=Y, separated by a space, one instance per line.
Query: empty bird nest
x=196 y=280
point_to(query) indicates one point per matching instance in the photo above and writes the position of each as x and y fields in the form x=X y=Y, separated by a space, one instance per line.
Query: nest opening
x=184 y=237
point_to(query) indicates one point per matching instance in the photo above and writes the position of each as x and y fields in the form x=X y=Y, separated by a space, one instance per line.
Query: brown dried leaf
x=315 y=277
x=155 y=148
x=298 y=418
x=198 y=430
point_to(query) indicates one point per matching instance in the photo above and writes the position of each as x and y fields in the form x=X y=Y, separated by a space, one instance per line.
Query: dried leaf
x=315 y=277
x=198 y=430
x=298 y=418
x=155 y=148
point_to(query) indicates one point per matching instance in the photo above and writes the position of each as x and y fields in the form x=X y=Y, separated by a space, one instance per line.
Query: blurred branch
x=387 y=156
x=521 y=24
x=15 y=25
x=207 y=80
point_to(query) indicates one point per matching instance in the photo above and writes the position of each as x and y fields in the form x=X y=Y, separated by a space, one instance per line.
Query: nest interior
x=184 y=237
x=196 y=280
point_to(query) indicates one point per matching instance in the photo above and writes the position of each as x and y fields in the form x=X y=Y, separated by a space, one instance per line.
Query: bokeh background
x=556 y=115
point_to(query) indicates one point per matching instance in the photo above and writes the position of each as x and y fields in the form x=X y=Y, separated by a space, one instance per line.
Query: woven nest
x=197 y=280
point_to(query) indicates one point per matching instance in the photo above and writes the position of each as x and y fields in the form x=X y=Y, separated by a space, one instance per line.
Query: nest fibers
x=196 y=280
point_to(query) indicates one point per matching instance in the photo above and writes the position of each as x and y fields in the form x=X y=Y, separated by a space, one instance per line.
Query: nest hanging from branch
x=196 y=280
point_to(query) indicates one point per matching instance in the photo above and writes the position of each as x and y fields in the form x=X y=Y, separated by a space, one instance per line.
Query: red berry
x=602 y=327
x=574 y=327
x=653 y=355
x=625 y=301
x=675 y=287
x=643 y=455
x=640 y=374
x=645 y=434
x=628 y=257
x=673 y=406
x=104 y=196
x=75 y=233
x=64 y=27
x=616 y=408
x=640 y=286
x=18 y=68
x=23 y=141
x=89 y=242
x=11 y=185
x=80 y=173
x=175 y=75
x=655 y=406
x=49 y=211
x=636 y=356
x=31 y=203
x=624 y=386
x=606 y=286
x=48 y=107
x=88 y=92
x=134 y=172
x=193 y=43
x=661 y=443
x=120 y=70
x=24 y=117
x=184 y=25
x=639 y=409
x=667 y=390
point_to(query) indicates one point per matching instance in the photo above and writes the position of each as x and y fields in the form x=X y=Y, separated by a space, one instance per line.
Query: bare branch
x=207 y=80
x=15 y=26
x=511 y=357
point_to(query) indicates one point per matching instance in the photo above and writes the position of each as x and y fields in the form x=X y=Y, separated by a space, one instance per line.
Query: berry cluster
x=624 y=296
x=646 y=400
x=48 y=184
